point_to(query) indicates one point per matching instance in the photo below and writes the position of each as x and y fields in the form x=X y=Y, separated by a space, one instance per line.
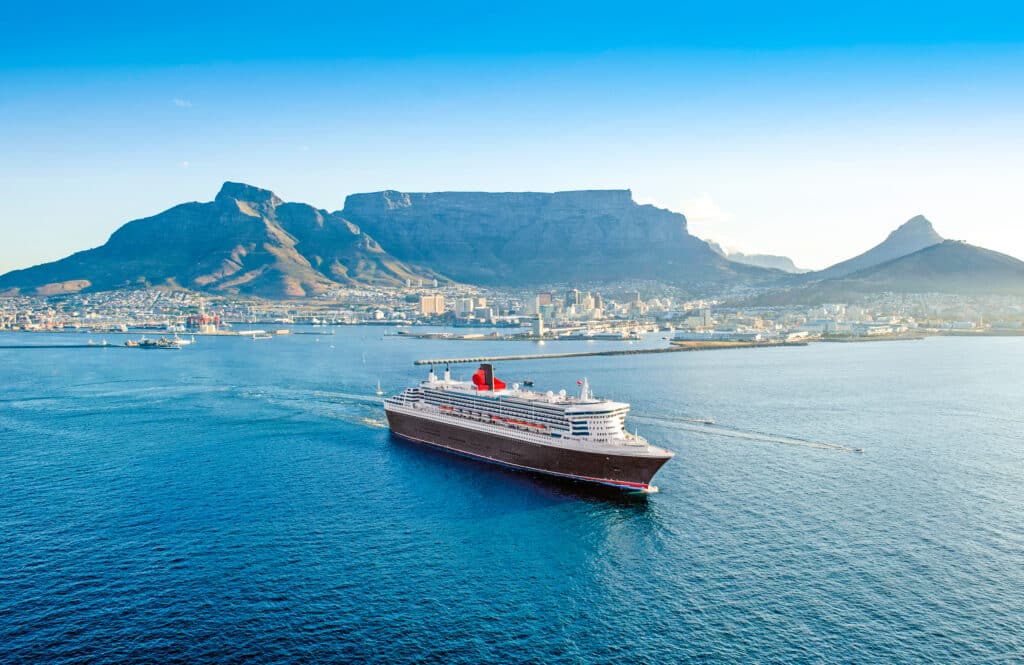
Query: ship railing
x=627 y=440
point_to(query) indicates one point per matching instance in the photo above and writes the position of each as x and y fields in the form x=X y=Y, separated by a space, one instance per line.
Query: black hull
x=625 y=471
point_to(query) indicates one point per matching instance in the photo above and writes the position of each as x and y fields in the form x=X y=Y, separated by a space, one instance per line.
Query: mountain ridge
x=913 y=235
x=951 y=267
x=247 y=240
x=770 y=261
x=525 y=238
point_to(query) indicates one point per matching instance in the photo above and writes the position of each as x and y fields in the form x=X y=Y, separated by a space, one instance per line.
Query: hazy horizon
x=774 y=131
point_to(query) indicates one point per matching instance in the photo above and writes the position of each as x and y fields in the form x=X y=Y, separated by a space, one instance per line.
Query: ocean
x=243 y=501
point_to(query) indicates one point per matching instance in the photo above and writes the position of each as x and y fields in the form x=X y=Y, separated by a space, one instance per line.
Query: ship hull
x=623 y=471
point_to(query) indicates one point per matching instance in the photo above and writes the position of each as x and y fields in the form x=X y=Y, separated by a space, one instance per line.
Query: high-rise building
x=598 y=302
x=544 y=298
x=432 y=304
x=464 y=306
x=572 y=297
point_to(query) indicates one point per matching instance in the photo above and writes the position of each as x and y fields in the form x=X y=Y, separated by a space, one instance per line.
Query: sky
x=792 y=128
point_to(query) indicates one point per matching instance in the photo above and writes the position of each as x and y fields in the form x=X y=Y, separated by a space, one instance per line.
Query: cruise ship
x=579 y=436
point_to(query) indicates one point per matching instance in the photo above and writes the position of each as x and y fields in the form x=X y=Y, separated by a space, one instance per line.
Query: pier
x=581 y=354
x=63 y=346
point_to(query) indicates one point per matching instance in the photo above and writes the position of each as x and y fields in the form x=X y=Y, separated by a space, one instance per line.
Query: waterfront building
x=431 y=305
x=538 y=327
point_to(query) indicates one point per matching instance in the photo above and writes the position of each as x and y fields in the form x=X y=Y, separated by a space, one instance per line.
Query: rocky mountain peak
x=917 y=227
x=913 y=235
x=239 y=191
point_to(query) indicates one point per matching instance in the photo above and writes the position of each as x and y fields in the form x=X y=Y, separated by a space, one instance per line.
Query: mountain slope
x=770 y=261
x=522 y=238
x=913 y=235
x=948 y=267
x=245 y=241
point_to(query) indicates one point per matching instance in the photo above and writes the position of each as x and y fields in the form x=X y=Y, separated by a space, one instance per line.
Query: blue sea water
x=242 y=501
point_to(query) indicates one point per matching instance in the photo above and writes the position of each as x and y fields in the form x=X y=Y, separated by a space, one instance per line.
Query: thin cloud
x=703 y=209
x=182 y=103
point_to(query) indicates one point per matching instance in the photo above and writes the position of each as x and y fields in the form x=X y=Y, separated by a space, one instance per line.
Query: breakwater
x=697 y=346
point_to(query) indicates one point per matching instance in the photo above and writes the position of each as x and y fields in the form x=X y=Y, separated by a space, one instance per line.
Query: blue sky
x=796 y=129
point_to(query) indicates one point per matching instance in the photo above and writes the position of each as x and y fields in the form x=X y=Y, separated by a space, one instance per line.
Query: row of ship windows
x=531 y=412
x=503 y=409
x=489 y=401
x=599 y=413
x=487 y=418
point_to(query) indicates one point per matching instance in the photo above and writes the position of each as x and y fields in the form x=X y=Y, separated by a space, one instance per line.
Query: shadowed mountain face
x=527 y=238
x=245 y=241
x=915 y=234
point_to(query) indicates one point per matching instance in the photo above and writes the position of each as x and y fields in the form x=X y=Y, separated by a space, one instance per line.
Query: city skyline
x=791 y=133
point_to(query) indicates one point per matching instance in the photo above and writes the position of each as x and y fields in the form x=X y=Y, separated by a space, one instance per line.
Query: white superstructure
x=579 y=422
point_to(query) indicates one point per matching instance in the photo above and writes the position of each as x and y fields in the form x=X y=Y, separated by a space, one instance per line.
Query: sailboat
x=379 y=391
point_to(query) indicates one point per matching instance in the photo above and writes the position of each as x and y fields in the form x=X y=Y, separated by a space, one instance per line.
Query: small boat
x=162 y=343
x=379 y=391
x=528 y=383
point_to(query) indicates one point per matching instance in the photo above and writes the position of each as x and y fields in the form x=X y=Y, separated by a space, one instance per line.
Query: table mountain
x=526 y=238
x=247 y=240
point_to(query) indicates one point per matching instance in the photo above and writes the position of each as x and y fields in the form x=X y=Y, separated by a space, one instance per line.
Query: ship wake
x=710 y=427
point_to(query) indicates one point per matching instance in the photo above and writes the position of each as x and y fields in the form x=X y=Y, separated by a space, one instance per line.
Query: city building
x=431 y=305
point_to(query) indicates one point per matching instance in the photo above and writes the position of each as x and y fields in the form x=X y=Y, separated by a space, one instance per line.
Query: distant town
x=621 y=312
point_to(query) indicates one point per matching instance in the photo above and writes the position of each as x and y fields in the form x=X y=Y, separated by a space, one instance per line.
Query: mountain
x=246 y=240
x=947 y=267
x=913 y=235
x=770 y=261
x=524 y=238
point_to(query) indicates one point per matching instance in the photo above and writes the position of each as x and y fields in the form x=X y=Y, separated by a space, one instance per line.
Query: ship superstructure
x=578 y=436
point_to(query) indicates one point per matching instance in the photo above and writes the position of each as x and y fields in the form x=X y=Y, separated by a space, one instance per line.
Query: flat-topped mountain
x=246 y=240
x=913 y=235
x=522 y=238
